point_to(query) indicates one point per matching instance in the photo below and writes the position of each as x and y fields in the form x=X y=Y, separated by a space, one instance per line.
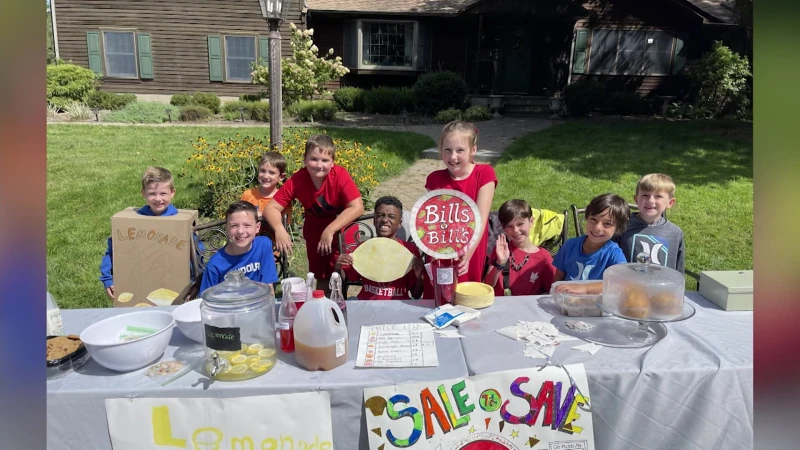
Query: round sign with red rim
x=446 y=223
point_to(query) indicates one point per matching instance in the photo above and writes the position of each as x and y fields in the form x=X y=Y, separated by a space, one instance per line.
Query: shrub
x=68 y=83
x=232 y=116
x=209 y=100
x=477 y=113
x=254 y=97
x=259 y=111
x=312 y=110
x=436 y=91
x=142 y=112
x=628 y=103
x=234 y=106
x=180 y=100
x=52 y=111
x=349 y=99
x=78 y=111
x=717 y=79
x=228 y=168
x=448 y=115
x=193 y=113
x=387 y=100
x=109 y=100
x=583 y=96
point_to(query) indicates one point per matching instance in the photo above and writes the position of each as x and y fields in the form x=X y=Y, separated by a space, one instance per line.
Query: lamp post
x=274 y=11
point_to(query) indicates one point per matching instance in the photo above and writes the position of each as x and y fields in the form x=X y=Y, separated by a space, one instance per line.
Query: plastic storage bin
x=576 y=305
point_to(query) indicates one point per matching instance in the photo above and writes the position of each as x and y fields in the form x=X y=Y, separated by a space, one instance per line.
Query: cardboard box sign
x=152 y=256
x=730 y=290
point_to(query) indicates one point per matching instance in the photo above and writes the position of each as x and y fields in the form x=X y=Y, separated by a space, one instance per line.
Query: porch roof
x=723 y=11
x=427 y=7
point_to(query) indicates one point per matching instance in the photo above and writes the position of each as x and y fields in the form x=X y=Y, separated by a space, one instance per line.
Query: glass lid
x=236 y=289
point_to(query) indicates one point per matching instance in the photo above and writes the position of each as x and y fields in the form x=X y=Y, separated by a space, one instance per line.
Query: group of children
x=330 y=200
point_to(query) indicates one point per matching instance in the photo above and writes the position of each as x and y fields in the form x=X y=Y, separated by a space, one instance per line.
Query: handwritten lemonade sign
x=511 y=410
x=446 y=223
x=269 y=422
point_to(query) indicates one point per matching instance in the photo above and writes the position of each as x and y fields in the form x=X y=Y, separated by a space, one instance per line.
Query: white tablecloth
x=76 y=414
x=691 y=390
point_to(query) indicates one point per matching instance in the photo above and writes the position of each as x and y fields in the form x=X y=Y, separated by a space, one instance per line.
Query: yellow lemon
x=266 y=353
x=238 y=359
x=238 y=368
x=125 y=297
x=244 y=347
x=261 y=366
x=226 y=354
x=253 y=349
x=162 y=297
x=252 y=359
x=143 y=304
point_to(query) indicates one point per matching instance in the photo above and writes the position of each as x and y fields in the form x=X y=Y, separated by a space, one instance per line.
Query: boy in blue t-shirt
x=245 y=251
x=587 y=257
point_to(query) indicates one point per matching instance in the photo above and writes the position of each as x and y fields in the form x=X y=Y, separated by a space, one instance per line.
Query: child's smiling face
x=158 y=196
x=242 y=227
x=319 y=163
x=652 y=204
x=268 y=177
x=600 y=228
x=457 y=154
x=517 y=231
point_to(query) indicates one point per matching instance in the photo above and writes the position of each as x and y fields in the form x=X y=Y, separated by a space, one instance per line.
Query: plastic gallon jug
x=320 y=334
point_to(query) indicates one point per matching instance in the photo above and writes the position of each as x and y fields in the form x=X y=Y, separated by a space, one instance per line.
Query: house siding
x=178 y=31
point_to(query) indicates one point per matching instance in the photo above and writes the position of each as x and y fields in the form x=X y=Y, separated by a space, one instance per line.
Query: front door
x=514 y=59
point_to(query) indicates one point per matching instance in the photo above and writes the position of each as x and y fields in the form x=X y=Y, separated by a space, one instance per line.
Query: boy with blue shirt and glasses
x=587 y=257
x=245 y=251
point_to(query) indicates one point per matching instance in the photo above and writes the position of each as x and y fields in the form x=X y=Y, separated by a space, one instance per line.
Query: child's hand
x=344 y=260
x=463 y=264
x=572 y=288
x=282 y=241
x=325 y=241
x=418 y=267
x=501 y=249
x=110 y=291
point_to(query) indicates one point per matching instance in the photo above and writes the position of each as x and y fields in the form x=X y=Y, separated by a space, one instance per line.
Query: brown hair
x=467 y=129
x=240 y=206
x=514 y=209
x=323 y=142
x=275 y=160
x=157 y=175
x=617 y=207
x=656 y=182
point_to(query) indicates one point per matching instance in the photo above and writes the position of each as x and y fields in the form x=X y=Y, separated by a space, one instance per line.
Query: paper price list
x=397 y=345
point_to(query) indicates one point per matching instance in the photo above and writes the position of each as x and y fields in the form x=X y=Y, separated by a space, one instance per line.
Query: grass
x=95 y=171
x=711 y=163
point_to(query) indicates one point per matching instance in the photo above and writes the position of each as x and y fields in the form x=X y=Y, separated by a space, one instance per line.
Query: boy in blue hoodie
x=157 y=190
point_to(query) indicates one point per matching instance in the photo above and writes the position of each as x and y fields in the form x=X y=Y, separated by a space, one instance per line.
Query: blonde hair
x=656 y=182
x=466 y=129
x=157 y=175
x=323 y=142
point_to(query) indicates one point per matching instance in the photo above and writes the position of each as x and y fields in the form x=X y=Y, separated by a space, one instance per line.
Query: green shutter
x=679 y=62
x=579 y=58
x=95 y=57
x=214 y=58
x=263 y=50
x=145 y=56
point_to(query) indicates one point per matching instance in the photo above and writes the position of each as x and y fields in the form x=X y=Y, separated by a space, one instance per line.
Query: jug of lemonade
x=320 y=334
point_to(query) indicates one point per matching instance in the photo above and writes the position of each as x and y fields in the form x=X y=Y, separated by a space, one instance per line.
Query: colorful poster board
x=510 y=410
x=258 y=422
x=446 y=223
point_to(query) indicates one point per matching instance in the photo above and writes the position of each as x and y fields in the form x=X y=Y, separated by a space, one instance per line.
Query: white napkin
x=449 y=333
x=588 y=348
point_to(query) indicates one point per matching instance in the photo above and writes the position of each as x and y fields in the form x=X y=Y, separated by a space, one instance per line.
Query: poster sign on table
x=266 y=422
x=446 y=223
x=511 y=410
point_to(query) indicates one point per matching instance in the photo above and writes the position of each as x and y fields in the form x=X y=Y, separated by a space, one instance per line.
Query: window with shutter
x=214 y=58
x=388 y=45
x=240 y=53
x=95 y=55
x=579 y=56
x=145 y=56
x=630 y=52
x=119 y=52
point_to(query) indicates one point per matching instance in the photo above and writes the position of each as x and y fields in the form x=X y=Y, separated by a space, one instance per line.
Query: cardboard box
x=152 y=254
x=730 y=290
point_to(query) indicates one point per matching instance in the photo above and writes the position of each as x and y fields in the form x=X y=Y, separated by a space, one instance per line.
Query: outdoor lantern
x=241 y=114
x=274 y=9
x=96 y=112
x=169 y=114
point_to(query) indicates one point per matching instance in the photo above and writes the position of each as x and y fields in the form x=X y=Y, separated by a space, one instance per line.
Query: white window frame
x=225 y=55
x=619 y=31
x=106 y=72
x=360 y=34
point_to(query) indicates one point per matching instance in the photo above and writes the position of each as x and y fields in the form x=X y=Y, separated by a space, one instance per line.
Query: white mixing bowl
x=187 y=316
x=102 y=340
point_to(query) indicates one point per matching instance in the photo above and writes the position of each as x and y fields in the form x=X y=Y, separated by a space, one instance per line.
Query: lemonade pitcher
x=239 y=328
x=320 y=334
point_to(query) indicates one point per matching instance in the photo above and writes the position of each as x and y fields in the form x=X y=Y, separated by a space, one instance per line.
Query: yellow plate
x=474 y=295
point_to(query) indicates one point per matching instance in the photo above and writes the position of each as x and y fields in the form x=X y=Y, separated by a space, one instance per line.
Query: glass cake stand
x=620 y=331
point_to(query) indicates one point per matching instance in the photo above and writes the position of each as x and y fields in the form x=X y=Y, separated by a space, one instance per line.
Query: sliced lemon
x=238 y=368
x=254 y=348
x=226 y=354
x=266 y=353
x=253 y=359
x=261 y=366
x=238 y=359
x=244 y=347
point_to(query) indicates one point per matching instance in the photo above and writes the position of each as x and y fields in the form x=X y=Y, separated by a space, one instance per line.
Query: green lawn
x=95 y=171
x=710 y=161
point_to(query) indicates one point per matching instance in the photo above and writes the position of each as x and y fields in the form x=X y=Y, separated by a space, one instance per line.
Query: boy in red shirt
x=388 y=219
x=530 y=268
x=330 y=200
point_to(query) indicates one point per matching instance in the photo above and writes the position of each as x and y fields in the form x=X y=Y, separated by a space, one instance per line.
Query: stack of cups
x=299 y=290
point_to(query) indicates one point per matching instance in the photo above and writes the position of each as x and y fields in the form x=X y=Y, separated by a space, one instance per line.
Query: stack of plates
x=474 y=295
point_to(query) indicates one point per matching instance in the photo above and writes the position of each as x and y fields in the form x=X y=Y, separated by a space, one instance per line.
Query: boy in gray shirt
x=649 y=234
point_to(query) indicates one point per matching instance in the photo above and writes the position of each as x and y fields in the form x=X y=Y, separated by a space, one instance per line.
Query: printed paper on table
x=267 y=421
x=509 y=410
x=397 y=345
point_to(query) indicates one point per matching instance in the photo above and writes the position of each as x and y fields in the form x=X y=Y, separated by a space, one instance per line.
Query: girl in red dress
x=530 y=268
x=458 y=144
